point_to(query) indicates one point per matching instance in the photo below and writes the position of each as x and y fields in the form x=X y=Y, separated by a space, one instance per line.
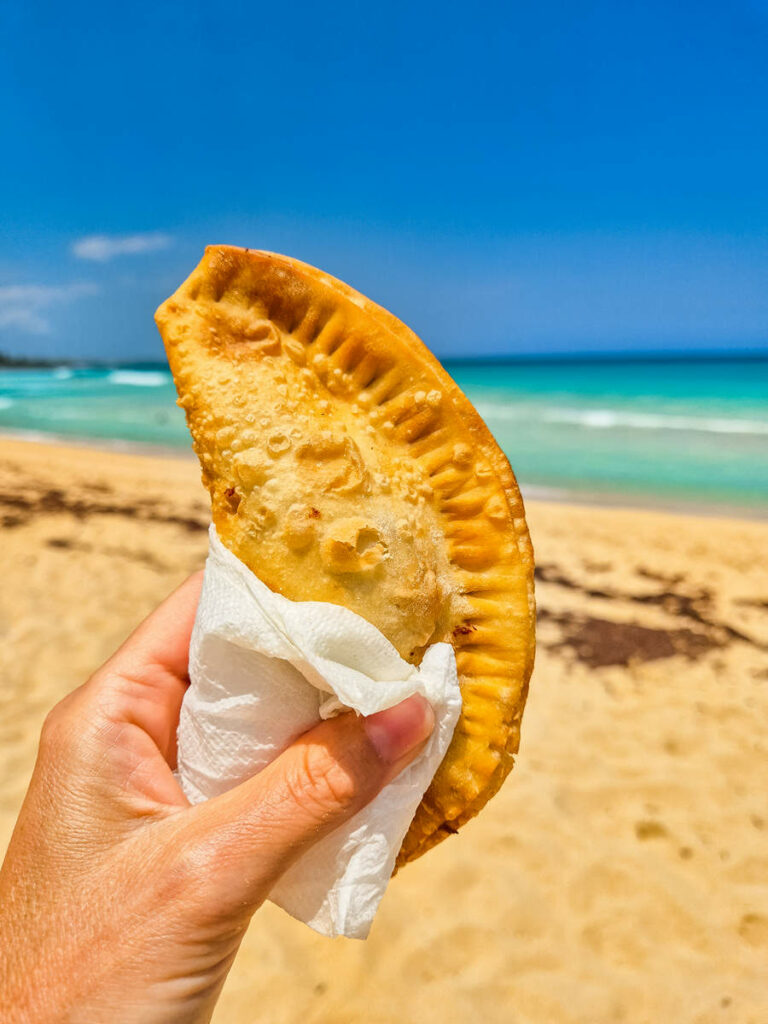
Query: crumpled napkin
x=263 y=670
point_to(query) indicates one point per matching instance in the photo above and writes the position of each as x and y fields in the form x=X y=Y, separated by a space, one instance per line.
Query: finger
x=250 y=835
x=145 y=681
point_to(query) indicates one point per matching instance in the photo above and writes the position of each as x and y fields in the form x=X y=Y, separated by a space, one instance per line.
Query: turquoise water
x=693 y=430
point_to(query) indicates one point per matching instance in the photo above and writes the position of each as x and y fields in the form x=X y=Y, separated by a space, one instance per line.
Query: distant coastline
x=13 y=362
x=10 y=361
x=21 y=363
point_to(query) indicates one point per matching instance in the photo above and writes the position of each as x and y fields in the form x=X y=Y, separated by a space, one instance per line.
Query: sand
x=622 y=872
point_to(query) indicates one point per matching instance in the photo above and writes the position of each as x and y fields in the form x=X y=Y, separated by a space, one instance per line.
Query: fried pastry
x=345 y=465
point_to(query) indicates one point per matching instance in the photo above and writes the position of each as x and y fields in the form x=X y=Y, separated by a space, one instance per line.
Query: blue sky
x=506 y=177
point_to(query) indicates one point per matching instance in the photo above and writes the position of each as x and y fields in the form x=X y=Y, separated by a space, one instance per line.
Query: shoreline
x=543 y=493
x=99 y=444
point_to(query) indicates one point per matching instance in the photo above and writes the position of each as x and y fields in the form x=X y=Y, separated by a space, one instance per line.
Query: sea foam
x=608 y=419
x=139 y=378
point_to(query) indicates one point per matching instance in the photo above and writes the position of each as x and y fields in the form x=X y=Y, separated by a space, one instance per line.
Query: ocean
x=688 y=431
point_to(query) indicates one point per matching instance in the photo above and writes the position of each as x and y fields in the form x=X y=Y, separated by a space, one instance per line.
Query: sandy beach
x=621 y=875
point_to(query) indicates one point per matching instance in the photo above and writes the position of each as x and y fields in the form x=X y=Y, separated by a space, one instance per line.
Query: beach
x=621 y=874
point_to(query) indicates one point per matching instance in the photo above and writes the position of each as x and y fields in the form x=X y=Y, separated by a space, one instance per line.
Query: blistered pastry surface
x=344 y=465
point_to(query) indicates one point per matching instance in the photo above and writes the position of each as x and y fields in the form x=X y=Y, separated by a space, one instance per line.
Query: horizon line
x=11 y=361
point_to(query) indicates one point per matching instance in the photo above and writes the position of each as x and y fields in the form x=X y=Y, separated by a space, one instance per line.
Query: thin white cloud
x=26 y=306
x=103 y=248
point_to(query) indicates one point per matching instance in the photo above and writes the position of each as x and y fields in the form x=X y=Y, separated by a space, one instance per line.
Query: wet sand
x=622 y=872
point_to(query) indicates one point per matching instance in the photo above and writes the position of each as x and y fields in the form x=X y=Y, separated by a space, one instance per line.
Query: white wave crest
x=609 y=419
x=139 y=378
x=5 y=403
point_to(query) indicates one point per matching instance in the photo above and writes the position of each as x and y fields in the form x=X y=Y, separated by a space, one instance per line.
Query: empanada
x=345 y=465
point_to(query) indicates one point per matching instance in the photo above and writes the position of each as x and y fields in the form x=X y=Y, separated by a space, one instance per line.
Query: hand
x=119 y=902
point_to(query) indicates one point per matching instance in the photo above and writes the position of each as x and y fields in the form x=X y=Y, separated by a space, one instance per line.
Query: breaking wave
x=139 y=378
x=611 y=419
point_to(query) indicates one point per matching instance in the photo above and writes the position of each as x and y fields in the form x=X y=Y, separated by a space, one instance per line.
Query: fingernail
x=399 y=730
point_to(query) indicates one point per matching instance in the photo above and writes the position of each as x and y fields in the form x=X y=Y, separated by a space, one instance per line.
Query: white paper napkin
x=263 y=670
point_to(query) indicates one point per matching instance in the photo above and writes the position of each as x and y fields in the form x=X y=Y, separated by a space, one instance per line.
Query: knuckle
x=189 y=881
x=66 y=725
x=321 y=784
x=182 y=869
x=191 y=864
x=54 y=727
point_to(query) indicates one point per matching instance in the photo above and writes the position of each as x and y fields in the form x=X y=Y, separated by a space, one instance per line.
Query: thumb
x=254 y=832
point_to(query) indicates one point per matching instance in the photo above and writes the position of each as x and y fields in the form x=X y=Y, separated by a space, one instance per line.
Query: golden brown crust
x=345 y=465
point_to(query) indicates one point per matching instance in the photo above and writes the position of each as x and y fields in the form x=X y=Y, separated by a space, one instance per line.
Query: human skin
x=120 y=902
